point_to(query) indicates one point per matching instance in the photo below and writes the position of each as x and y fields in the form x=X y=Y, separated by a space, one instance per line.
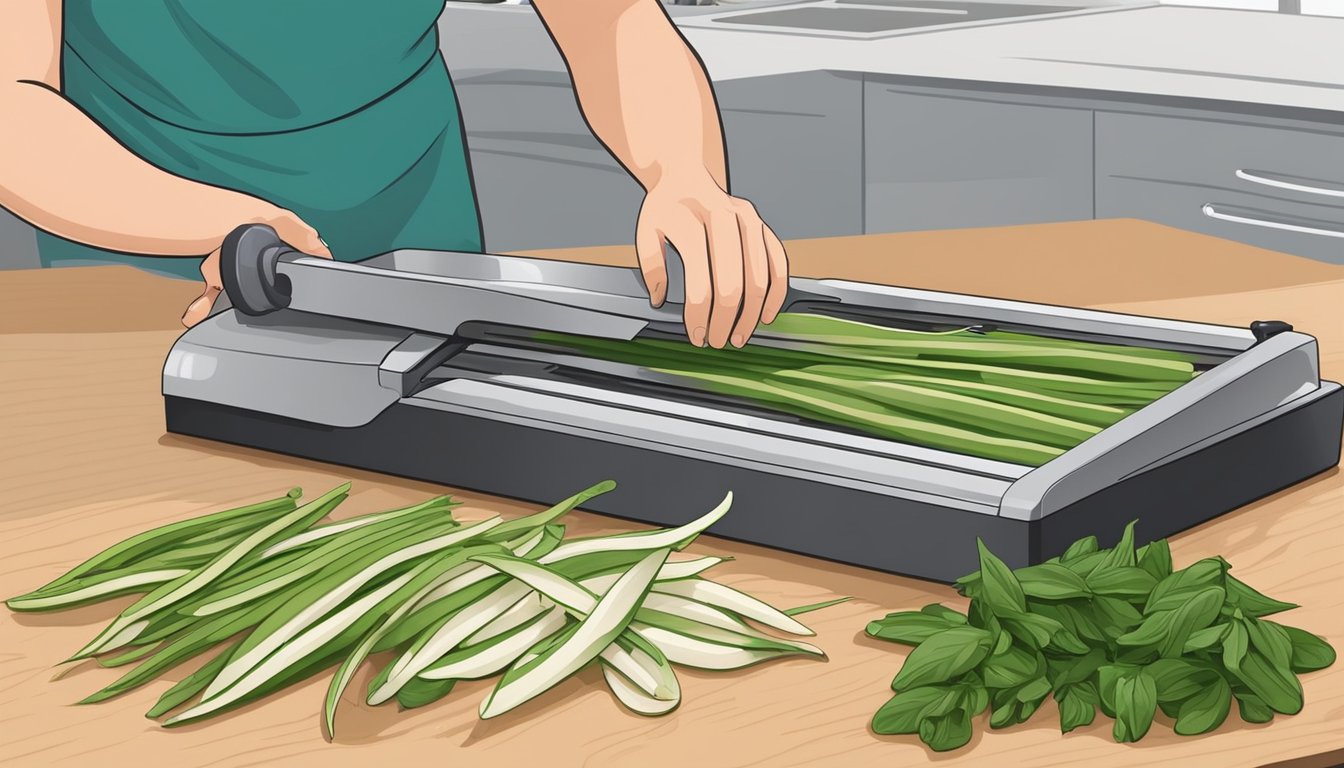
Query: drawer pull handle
x=1214 y=213
x=1294 y=183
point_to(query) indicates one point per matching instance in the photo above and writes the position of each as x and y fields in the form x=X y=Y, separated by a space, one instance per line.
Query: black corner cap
x=1266 y=329
x=247 y=267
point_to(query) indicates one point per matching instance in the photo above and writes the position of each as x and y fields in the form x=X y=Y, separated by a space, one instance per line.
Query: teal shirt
x=339 y=110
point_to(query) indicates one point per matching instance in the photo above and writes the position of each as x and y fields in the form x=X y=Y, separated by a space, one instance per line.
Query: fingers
x=725 y=259
x=298 y=234
x=755 y=277
x=778 y=265
x=652 y=261
x=691 y=244
x=199 y=309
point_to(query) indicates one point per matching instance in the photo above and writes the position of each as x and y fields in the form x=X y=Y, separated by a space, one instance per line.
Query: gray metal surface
x=18 y=243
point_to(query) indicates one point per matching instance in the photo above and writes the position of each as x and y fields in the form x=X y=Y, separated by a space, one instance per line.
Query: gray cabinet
x=934 y=161
x=18 y=242
x=1272 y=187
x=794 y=150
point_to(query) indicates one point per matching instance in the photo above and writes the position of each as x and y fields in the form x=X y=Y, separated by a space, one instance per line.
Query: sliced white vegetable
x=473 y=573
x=462 y=625
x=635 y=699
x=606 y=622
x=293 y=652
x=184 y=586
x=491 y=657
x=317 y=534
x=719 y=596
x=675 y=538
x=705 y=614
x=694 y=652
x=118 y=584
x=682 y=569
x=522 y=612
x=237 y=667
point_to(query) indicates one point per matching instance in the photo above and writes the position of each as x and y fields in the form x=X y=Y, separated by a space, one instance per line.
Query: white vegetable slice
x=681 y=569
x=236 y=668
x=317 y=534
x=719 y=596
x=497 y=653
x=294 y=651
x=179 y=589
x=597 y=631
x=674 y=538
x=694 y=652
x=635 y=699
x=523 y=611
x=107 y=587
x=705 y=614
x=462 y=625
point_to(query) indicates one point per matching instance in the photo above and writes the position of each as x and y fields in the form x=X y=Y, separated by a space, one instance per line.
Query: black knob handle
x=1266 y=329
x=247 y=267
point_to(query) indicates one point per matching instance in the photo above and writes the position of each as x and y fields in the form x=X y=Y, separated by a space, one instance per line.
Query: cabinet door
x=1271 y=187
x=794 y=152
x=955 y=160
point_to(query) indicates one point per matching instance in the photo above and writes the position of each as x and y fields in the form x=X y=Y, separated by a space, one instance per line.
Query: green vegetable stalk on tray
x=278 y=597
x=992 y=394
x=1117 y=629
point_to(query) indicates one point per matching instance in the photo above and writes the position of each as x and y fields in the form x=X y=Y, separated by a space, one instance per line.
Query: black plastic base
x=789 y=513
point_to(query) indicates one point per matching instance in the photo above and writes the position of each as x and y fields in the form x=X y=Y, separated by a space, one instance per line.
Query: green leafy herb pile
x=1113 y=628
x=999 y=395
x=279 y=597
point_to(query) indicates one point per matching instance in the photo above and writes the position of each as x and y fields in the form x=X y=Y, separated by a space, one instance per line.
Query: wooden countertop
x=85 y=462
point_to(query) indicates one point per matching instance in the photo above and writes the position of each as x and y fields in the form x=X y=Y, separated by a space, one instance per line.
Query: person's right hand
x=291 y=230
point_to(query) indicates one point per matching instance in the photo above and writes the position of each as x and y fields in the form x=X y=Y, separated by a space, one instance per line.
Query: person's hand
x=736 y=269
x=291 y=230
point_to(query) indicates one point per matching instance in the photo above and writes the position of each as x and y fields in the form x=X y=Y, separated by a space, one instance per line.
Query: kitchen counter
x=85 y=462
x=1251 y=57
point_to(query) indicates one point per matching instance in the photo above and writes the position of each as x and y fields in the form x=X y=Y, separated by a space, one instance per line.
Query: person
x=143 y=131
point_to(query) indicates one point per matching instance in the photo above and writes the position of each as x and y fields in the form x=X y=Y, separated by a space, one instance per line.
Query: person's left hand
x=737 y=273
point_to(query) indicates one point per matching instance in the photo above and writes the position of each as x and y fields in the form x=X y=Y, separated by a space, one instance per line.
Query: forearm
x=642 y=90
x=64 y=174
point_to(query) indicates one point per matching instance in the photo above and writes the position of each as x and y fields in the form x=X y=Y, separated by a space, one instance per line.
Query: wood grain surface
x=85 y=462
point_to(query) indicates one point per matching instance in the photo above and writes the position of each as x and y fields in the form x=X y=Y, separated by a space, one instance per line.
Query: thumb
x=652 y=262
x=298 y=234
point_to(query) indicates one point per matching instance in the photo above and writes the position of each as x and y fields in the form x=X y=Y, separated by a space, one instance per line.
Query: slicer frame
x=384 y=397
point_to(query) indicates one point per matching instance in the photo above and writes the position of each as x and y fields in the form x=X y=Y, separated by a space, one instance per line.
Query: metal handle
x=1284 y=181
x=1213 y=213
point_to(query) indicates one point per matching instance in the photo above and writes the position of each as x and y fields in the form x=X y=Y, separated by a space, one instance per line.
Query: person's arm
x=647 y=98
x=63 y=173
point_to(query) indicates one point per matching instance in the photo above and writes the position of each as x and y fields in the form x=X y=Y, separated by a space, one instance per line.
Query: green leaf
x=1015 y=666
x=1115 y=616
x=902 y=713
x=1252 y=708
x=1049 y=581
x=1234 y=646
x=949 y=615
x=1175 y=589
x=943 y=656
x=909 y=627
x=1277 y=688
x=1108 y=675
x=1002 y=592
x=1155 y=558
x=1206 y=638
x=1075 y=709
x=1310 y=652
x=1135 y=705
x=1167 y=631
x=1127 y=582
x=1085 y=564
x=1178 y=679
x=1270 y=639
x=1122 y=554
x=1074 y=669
x=1251 y=602
x=1206 y=710
x=1084 y=546
x=946 y=732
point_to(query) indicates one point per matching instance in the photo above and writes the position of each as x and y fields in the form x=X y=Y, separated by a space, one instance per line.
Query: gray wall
x=18 y=246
